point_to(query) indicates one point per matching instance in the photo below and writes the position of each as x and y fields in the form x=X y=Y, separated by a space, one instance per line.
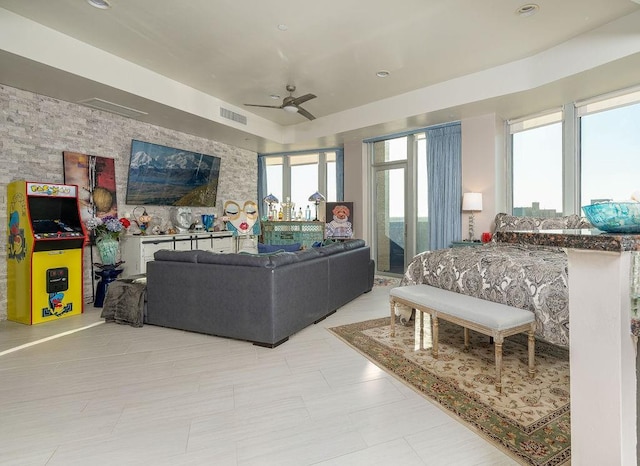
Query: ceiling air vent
x=112 y=108
x=229 y=115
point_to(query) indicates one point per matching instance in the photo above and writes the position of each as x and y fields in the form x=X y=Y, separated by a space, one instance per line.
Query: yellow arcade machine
x=44 y=252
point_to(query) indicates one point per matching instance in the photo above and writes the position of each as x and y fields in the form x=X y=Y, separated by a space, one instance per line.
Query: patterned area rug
x=380 y=280
x=530 y=420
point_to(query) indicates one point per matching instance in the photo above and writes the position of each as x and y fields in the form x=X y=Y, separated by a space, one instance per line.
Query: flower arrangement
x=108 y=227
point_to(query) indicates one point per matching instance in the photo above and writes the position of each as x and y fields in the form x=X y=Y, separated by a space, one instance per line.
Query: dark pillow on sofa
x=325 y=242
x=278 y=247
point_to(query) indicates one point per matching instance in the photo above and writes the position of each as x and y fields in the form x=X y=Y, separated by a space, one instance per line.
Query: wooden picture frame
x=339 y=220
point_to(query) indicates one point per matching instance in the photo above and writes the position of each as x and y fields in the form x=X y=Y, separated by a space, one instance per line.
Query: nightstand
x=462 y=244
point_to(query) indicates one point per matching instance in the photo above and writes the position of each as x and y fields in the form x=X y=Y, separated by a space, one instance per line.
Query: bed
x=526 y=277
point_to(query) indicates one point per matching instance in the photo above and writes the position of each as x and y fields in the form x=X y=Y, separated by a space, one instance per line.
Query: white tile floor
x=116 y=395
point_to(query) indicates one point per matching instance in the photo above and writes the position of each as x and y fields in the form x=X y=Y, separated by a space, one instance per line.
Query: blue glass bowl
x=614 y=217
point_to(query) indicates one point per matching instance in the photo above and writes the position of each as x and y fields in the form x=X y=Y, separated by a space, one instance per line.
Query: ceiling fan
x=291 y=104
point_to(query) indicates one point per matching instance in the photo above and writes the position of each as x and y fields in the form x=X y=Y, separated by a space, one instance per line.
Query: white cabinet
x=136 y=251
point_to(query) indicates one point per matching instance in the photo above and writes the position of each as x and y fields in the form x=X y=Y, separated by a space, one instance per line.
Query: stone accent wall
x=35 y=130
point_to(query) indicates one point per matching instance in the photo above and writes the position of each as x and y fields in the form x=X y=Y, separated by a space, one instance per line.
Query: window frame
x=571 y=137
x=292 y=159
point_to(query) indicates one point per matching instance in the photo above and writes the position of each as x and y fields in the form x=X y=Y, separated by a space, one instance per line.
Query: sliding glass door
x=390 y=224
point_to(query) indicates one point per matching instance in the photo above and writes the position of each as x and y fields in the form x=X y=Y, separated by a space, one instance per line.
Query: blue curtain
x=262 y=184
x=444 y=174
x=340 y=174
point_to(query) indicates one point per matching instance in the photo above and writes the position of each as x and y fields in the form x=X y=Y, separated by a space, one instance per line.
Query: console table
x=602 y=338
x=136 y=251
x=289 y=232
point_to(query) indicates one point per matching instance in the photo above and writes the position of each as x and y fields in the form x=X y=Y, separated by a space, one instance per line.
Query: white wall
x=356 y=186
x=483 y=169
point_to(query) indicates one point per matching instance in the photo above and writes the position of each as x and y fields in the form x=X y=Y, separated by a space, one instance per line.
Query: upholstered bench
x=493 y=319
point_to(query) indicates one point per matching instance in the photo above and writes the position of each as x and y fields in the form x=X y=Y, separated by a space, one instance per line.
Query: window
x=298 y=176
x=596 y=159
x=536 y=163
x=609 y=150
x=275 y=170
x=390 y=150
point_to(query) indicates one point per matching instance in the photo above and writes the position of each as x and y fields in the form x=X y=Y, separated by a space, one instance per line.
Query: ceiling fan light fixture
x=102 y=4
x=290 y=108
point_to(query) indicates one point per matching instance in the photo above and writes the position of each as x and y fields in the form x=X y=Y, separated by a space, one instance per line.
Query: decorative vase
x=108 y=250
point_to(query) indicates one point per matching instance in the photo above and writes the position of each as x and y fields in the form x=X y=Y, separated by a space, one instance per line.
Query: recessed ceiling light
x=102 y=4
x=528 y=9
x=282 y=27
x=275 y=96
x=382 y=74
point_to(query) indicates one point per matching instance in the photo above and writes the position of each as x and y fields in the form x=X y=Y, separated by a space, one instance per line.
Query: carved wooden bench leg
x=420 y=323
x=434 y=337
x=532 y=351
x=393 y=317
x=497 y=343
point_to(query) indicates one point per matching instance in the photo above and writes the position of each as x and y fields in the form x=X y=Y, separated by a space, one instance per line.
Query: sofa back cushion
x=247 y=260
x=176 y=256
x=353 y=244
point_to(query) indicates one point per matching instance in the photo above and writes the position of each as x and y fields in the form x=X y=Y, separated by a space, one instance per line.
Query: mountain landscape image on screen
x=161 y=175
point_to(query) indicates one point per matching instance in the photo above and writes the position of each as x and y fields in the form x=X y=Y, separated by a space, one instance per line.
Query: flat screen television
x=161 y=175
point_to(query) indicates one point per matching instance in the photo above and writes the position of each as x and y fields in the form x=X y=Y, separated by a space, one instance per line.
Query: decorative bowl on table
x=614 y=217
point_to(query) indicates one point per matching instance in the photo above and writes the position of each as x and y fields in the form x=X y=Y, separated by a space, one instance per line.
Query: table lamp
x=471 y=202
x=270 y=200
x=316 y=198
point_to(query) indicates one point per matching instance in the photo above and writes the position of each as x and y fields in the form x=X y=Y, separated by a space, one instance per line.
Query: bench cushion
x=479 y=311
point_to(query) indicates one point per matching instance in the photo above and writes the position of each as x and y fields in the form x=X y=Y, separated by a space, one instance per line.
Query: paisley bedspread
x=533 y=278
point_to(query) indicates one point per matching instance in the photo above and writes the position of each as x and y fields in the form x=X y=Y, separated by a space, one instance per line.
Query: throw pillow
x=278 y=247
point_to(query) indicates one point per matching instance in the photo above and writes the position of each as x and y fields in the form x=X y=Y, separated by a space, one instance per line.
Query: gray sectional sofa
x=260 y=298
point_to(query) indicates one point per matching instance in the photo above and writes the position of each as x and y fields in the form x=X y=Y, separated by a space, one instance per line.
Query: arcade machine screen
x=55 y=218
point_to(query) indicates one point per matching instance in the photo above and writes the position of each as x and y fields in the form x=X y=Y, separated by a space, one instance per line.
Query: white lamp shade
x=472 y=202
x=290 y=108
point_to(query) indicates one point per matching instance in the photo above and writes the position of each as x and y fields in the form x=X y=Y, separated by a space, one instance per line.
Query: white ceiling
x=233 y=52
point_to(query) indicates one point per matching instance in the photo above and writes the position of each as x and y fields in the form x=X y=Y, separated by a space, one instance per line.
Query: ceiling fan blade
x=305 y=114
x=302 y=99
x=263 y=106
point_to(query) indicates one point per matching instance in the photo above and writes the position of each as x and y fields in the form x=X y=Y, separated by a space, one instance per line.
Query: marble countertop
x=592 y=239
